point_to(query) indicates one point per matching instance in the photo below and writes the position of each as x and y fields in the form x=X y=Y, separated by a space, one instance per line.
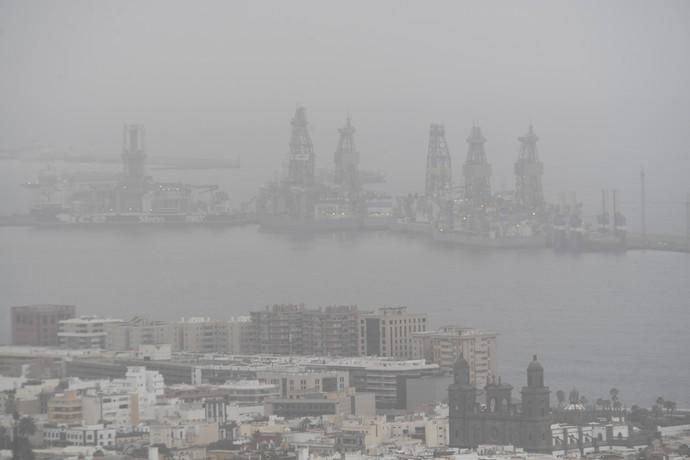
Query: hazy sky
x=604 y=82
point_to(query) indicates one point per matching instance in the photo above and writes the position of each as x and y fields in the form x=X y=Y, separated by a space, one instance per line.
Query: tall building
x=347 y=160
x=388 y=332
x=65 y=408
x=84 y=332
x=439 y=175
x=528 y=172
x=301 y=160
x=37 y=325
x=501 y=422
x=138 y=331
x=296 y=330
x=206 y=335
x=445 y=345
x=476 y=170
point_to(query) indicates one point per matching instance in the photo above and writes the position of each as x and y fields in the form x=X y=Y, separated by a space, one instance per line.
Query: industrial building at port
x=131 y=196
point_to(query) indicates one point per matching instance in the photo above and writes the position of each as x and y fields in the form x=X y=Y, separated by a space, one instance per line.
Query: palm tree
x=669 y=406
x=614 y=394
x=660 y=401
x=560 y=396
x=4 y=437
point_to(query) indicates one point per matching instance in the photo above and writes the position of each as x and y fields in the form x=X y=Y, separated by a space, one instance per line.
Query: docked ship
x=128 y=198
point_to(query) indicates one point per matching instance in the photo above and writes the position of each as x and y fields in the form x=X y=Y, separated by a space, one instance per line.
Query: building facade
x=500 y=421
x=296 y=330
x=207 y=335
x=85 y=332
x=388 y=332
x=444 y=347
x=65 y=408
x=138 y=331
x=37 y=325
x=294 y=382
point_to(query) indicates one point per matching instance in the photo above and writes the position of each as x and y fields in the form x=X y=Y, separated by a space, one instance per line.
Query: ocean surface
x=596 y=321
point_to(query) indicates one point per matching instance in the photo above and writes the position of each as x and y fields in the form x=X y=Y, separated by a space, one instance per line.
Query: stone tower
x=535 y=432
x=462 y=402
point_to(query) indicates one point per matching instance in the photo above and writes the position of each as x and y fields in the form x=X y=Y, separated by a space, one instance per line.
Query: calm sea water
x=595 y=320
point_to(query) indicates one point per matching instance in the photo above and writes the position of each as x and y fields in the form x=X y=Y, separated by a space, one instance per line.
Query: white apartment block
x=87 y=435
x=85 y=332
x=119 y=409
x=138 y=331
x=298 y=381
x=206 y=335
x=445 y=345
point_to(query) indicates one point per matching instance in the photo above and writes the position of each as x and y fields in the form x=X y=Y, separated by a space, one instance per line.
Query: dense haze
x=605 y=84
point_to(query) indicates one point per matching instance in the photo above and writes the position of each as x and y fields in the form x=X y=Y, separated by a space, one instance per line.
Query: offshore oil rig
x=305 y=201
x=129 y=197
x=471 y=214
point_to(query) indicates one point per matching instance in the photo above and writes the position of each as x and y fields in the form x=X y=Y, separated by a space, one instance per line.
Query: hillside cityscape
x=321 y=230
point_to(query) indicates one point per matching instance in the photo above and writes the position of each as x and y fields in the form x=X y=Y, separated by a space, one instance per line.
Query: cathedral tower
x=462 y=402
x=535 y=432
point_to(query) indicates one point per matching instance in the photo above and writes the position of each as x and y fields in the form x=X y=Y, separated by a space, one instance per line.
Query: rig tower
x=301 y=156
x=643 y=205
x=476 y=170
x=347 y=160
x=528 y=172
x=438 y=165
x=133 y=152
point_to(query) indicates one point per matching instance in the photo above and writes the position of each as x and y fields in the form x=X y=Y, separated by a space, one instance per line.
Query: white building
x=207 y=335
x=119 y=409
x=87 y=435
x=296 y=380
x=149 y=386
x=138 y=331
x=84 y=332
x=445 y=345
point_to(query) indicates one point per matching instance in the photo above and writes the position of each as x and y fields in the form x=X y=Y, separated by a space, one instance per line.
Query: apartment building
x=388 y=332
x=296 y=330
x=293 y=382
x=444 y=347
x=206 y=335
x=65 y=408
x=138 y=331
x=85 y=332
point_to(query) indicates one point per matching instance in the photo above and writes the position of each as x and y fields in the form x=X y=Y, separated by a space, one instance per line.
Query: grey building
x=296 y=330
x=37 y=325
